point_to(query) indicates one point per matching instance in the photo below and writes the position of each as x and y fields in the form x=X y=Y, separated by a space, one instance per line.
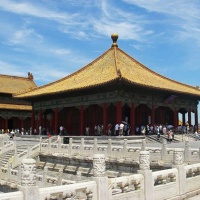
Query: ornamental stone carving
x=99 y=166
x=178 y=157
x=28 y=172
x=143 y=148
x=144 y=160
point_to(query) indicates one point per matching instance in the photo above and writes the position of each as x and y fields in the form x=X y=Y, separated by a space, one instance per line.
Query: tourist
x=143 y=130
x=87 y=130
x=137 y=130
x=109 y=129
x=169 y=134
x=151 y=130
x=164 y=130
x=129 y=130
x=121 y=128
x=61 y=130
x=147 y=129
x=95 y=130
x=40 y=130
x=196 y=135
x=116 y=129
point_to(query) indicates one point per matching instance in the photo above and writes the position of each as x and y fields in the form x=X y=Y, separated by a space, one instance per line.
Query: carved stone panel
x=144 y=160
x=178 y=157
x=99 y=166
x=28 y=172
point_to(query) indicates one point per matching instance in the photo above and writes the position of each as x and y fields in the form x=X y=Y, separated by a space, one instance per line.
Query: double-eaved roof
x=15 y=84
x=112 y=65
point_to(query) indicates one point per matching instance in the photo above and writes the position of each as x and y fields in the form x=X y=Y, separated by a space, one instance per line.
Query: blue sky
x=53 y=38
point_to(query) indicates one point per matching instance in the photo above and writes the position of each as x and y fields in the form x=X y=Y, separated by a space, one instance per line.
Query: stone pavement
x=197 y=197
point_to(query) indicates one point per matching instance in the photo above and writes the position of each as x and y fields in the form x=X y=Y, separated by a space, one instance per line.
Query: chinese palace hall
x=15 y=113
x=113 y=88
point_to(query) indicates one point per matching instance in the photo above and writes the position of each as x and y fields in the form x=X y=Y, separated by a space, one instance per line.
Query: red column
x=22 y=123
x=82 y=120
x=175 y=118
x=196 y=119
x=132 y=119
x=153 y=115
x=119 y=112
x=183 y=118
x=32 y=119
x=56 y=121
x=189 y=117
x=104 y=118
x=40 y=118
x=6 y=125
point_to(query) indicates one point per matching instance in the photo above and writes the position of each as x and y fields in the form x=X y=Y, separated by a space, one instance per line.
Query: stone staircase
x=4 y=158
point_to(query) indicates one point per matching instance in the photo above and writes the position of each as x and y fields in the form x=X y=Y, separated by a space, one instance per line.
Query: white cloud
x=61 y=52
x=24 y=36
x=11 y=69
x=33 y=10
x=183 y=15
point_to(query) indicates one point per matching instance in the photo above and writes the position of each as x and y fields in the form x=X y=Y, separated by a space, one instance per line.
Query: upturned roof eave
x=67 y=91
x=159 y=88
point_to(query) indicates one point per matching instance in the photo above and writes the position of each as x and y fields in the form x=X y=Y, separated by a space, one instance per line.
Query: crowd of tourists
x=119 y=129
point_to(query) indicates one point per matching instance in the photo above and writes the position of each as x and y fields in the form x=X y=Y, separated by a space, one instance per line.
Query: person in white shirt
x=121 y=128
x=117 y=129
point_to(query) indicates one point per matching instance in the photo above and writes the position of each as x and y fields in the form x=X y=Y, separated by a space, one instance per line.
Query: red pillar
x=82 y=120
x=183 y=119
x=196 y=119
x=119 y=112
x=32 y=119
x=153 y=115
x=104 y=118
x=175 y=118
x=189 y=117
x=6 y=125
x=56 y=120
x=132 y=119
x=40 y=118
x=22 y=123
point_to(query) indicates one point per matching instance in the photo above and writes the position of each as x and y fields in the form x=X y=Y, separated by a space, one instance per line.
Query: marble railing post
x=60 y=176
x=95 y=148
x=70 y=146
x=99 y=173
x=109 y=148
x=29 y=150
x=28 y=179
x=44 y=179
x=178 y=161
x=187 y=154
x=40 y=144
x=9 y=170
x=143 y=147
x=15 y=153
x=59 y=144
x=144 y=169
x=164 y=150
x=124 y=150
x=82 y=147
x=49 y=145
x=3 y=148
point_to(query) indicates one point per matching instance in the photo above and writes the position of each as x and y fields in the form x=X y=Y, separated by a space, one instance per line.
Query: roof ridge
x=12 y=76
x=74 y=73
x=115 y=61
x=162 y=76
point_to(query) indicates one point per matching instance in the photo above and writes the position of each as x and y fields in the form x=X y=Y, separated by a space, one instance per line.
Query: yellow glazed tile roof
x=15 y=107
x=15 y=84
x=113 y=64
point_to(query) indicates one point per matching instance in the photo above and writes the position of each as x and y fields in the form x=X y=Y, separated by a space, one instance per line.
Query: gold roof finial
x=114 y=37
